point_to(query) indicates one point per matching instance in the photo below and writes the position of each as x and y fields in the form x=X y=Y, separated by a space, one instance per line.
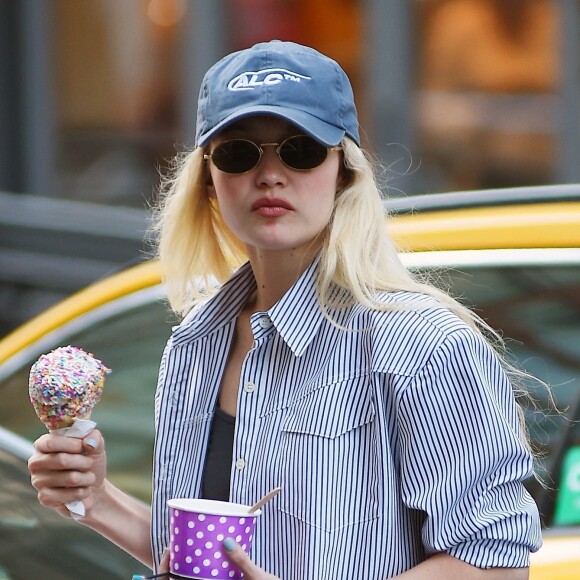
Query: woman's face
x=273 y=207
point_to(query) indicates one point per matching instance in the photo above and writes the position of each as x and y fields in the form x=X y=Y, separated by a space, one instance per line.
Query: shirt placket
x=250 y=395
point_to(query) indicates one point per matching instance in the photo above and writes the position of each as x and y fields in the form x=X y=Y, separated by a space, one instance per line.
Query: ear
x=209 y=186
x=343 y=179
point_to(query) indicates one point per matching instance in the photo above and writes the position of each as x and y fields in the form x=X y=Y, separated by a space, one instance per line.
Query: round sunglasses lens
x=236 y=156
x=302 y=152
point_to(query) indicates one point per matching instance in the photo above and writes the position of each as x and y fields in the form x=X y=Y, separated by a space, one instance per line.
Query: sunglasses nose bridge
x=274 y=149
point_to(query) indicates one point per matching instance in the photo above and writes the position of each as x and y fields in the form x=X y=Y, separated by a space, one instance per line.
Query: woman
x=320 y=365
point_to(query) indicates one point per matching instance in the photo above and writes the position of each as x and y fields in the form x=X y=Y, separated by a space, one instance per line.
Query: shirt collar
x=296 y=316
x=220 y=310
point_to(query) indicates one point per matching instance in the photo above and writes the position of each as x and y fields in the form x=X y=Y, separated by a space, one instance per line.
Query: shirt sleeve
x=463 y=460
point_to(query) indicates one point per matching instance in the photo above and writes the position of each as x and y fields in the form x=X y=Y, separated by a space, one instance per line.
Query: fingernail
x=91 y=443
x=229 y=545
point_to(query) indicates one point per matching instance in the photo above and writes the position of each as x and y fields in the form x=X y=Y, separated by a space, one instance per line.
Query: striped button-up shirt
x=393 y=435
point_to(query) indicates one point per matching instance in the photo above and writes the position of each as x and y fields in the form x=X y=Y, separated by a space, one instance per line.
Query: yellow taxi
x=513 y=255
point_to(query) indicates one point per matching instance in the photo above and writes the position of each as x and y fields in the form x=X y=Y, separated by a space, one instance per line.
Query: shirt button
x=249 y=387
x=265 y=322
x=240 y=464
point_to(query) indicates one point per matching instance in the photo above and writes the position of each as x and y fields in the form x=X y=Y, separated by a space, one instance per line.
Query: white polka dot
x=211 y=527
x=242 y=521
x=176 y=530
x=223 y=520
x=176 y=566
x=225 y=564
x=197 y=552
x=231 y=574
x=172 y=520
x=217 y=555
x=189 y=542
x=206 y=562
x=220 y=537
x=196 y=569
x=238 y=539
x=176 y=547
x=188 y=559
x=232 y=529
x=247 y=530
x=201 y=517
x=215 y=572
x=244 y=547
x=176 y=512
x=199 y=535
x=209 y=545
x=191 y=525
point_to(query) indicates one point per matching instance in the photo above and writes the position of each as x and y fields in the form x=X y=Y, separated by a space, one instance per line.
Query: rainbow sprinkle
x=64 y=385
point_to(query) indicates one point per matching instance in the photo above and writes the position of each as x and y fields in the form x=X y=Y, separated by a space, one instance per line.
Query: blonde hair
x=194 y=245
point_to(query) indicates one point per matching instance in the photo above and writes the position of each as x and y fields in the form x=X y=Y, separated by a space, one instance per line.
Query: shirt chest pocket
x=330 y=470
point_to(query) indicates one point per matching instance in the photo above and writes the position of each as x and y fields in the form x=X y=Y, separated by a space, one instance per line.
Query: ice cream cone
x=65 y=385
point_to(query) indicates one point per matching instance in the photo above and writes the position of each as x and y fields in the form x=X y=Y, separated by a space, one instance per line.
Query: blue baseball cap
x=283 y=79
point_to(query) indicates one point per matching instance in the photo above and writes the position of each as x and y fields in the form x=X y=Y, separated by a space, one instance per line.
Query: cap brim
x=327 y=134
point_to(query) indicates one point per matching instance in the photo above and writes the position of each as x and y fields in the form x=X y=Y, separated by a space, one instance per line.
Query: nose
x=270 y=170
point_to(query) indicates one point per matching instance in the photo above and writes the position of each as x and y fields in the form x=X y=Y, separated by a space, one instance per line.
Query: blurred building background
x=97 y=95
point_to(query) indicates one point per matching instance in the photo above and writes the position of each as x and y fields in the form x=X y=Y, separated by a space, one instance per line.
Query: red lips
x=265 y=202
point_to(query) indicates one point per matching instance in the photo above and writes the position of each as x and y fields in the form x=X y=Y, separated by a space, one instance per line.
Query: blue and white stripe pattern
x=393 y=440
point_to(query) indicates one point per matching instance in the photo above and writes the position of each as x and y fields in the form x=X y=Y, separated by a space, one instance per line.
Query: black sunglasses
x=300 y=153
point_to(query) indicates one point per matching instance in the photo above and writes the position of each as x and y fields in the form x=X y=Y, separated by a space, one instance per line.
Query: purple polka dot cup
x=198 y=528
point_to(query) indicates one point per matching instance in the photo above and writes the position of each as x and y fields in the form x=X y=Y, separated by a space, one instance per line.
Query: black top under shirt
x=215 y=483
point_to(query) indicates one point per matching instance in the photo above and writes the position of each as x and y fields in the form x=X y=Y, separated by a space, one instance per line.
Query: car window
x=537 y=310
x=36 y=542
x=130 y=342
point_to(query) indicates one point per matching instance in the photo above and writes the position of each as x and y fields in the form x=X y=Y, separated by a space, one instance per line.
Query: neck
x=275 y=273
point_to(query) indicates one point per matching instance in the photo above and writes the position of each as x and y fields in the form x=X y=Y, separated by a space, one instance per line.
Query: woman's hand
x=243 y=562
x=65 y=469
